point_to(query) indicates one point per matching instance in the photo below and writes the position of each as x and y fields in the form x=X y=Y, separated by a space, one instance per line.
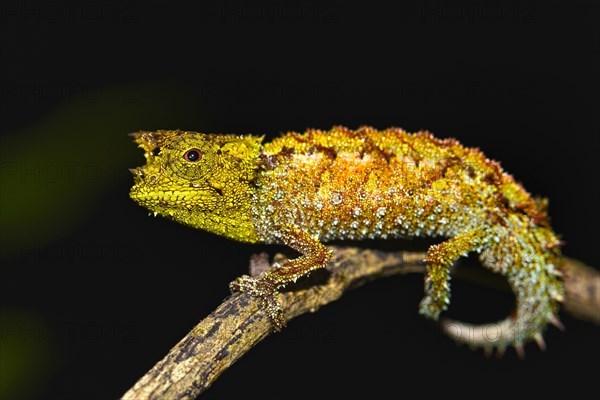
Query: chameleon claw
x=520 y=351
x=266 y=294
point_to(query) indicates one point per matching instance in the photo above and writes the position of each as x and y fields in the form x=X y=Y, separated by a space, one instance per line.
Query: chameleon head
x=201 y=180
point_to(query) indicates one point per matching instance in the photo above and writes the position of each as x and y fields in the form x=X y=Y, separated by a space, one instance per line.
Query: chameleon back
x=344 y=184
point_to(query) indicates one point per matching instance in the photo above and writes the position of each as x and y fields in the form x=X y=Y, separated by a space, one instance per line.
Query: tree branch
x=239 y=324
x=582 y=290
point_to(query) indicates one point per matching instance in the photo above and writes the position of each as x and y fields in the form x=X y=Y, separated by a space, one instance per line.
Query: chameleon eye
x=192 y=155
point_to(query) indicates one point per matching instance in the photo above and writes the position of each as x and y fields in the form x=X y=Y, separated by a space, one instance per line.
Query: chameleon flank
x=305 y=189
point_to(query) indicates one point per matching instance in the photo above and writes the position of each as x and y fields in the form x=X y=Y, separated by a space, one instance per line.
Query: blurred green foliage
x=26 y=362
x=54 y=173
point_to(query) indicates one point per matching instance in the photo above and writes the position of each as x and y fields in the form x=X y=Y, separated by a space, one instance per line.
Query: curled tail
x=528 y=257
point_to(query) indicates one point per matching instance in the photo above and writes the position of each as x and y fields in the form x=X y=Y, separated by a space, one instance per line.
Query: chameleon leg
x=440 y=258
x=314 y=256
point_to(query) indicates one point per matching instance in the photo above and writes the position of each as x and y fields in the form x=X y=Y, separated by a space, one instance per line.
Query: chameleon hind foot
x=265 y=292
x=440 y=258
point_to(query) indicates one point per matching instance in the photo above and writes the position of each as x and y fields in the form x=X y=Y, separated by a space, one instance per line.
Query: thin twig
x=239 y=324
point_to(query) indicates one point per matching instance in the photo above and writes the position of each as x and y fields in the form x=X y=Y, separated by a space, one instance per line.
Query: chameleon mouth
x=145 y=198
x=163 y=198
x=147 y=192
x=170 y=199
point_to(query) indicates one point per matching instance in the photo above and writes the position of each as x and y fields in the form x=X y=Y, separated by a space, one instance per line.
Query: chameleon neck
x=236 y=223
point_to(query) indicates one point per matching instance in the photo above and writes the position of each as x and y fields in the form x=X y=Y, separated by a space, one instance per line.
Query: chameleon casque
x=301 y=190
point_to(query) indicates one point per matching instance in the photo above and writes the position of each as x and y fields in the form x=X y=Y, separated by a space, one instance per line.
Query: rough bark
x=238 y=324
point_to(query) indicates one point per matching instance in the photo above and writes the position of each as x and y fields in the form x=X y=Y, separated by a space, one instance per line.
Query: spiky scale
x=539 y=339
x=557 y=323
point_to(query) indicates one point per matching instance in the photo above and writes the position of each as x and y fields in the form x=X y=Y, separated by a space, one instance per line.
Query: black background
x=114 y=291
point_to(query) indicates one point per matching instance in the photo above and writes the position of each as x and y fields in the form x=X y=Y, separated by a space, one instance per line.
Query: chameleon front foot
x=266 y=294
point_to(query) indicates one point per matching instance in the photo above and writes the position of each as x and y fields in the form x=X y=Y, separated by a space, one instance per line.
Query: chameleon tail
x=486 y=336
x=527 y=258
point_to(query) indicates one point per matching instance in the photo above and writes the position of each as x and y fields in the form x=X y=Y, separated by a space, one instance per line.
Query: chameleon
x=305 y=189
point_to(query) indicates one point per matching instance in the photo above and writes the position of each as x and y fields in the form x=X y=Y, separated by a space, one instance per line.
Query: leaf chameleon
x=302 y=190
